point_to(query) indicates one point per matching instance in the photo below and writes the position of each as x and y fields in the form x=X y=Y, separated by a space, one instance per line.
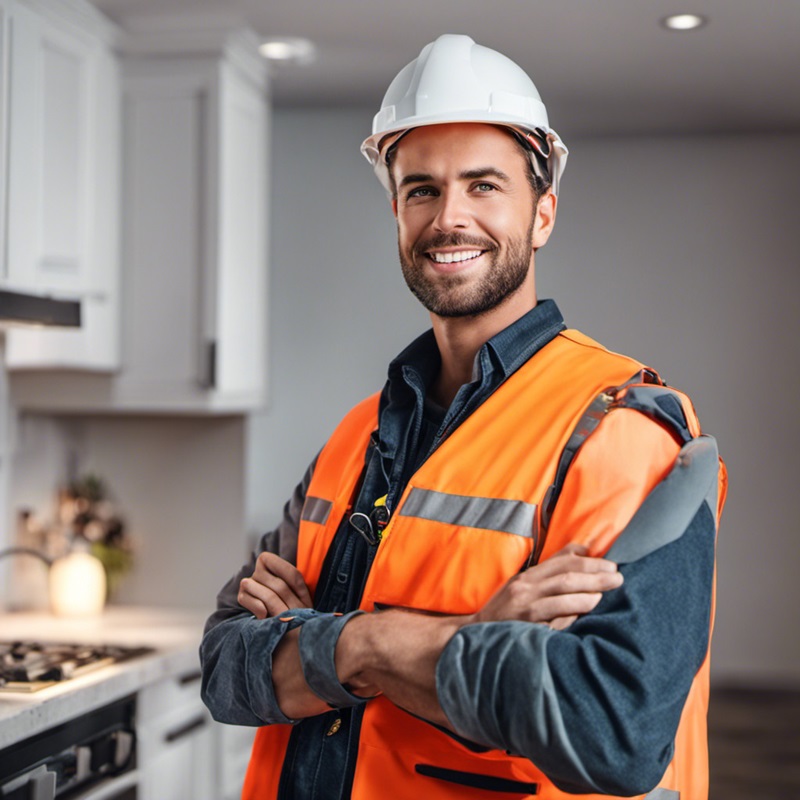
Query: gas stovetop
x=27 y=666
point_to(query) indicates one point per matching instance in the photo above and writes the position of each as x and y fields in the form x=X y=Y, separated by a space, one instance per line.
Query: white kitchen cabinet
x=19 y=131
x=233 y=747
x=176 y=744
x=195 y=146
x=61 y=97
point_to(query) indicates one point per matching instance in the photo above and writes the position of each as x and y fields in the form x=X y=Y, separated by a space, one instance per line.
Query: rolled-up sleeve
x=237 y=649
x=236 y=657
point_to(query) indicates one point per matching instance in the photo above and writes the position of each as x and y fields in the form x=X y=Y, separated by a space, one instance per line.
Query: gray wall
x=177 y=481
x=678 y=251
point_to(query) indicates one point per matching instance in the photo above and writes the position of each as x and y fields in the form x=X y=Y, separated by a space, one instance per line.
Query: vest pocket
x=475 y=780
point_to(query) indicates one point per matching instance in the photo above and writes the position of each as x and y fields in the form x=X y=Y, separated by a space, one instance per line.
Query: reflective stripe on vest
x=315 y=509
x=510 y=516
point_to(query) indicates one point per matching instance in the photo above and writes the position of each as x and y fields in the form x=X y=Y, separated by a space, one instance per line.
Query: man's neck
x=460 y=338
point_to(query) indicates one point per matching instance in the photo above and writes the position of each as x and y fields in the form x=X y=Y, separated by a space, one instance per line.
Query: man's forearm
x=295 y=698
x=397 y=652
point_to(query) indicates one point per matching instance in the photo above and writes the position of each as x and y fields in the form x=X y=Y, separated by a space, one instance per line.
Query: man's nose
x=452 y=212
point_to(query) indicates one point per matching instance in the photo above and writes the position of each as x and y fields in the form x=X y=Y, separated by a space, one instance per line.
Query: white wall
x=181 y=481
x=177 y=481
x=679 y=251
x=682 y=252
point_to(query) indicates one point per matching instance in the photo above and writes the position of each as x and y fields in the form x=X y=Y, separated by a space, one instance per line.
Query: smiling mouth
x=454 y=257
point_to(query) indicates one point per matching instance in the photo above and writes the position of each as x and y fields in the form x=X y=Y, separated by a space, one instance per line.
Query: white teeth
x=449 y=258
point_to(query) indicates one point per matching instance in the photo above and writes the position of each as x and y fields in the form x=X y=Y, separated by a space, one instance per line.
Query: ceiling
x=603 y=67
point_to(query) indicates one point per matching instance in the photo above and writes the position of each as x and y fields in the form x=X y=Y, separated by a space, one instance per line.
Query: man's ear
x=545 y=219
x=394 y=207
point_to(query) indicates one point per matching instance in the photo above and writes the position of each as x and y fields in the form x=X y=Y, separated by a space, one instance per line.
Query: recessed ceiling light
x=684 y=22
x=288 y=49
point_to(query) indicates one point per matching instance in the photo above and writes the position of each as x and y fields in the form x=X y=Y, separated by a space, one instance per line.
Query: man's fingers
x=255 y=605
x=561 y=623
x=564 y=562
x=564 y=605
x=275 y=586
x=573 y=582
x=572 y=547
x=262 y=601
x=278 y=587
x=548 y=582
x=536 y=596
x=269 y=564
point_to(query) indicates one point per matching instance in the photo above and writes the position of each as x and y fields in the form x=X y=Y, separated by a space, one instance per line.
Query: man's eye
x=421 y=191
x=484 y=187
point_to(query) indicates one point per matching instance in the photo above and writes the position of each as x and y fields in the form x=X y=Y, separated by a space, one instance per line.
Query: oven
x=92 y=757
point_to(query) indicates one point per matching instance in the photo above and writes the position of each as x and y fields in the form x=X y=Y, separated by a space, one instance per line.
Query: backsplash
x=178 y=482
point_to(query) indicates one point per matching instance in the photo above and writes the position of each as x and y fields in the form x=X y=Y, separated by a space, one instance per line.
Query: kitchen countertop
x=174 y=634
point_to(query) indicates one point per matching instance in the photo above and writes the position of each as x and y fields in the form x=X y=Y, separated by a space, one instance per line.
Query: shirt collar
x=502 y=355
x=514 y=345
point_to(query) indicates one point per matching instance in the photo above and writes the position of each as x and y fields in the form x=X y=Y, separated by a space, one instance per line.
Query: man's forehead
x=455 y=142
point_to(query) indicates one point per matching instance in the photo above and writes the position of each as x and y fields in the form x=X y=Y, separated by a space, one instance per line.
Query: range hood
x=18 y=309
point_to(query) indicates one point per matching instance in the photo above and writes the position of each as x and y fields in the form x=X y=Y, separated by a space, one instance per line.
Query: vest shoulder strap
x=614 y=396
x=645 y=392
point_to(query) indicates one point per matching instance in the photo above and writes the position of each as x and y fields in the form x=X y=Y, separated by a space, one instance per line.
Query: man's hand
x=275 y=586
x=555 y=592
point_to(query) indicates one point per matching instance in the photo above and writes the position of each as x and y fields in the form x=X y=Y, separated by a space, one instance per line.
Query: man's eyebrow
x=484 y=172
x=467 y=175
x=416 y=177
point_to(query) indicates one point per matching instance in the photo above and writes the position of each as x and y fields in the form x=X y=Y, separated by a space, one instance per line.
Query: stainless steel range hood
x=18 y=309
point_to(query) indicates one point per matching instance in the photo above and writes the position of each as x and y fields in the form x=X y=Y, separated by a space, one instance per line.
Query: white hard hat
x=455 y=80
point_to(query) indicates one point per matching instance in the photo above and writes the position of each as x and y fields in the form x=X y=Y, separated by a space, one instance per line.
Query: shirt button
x=337 y=723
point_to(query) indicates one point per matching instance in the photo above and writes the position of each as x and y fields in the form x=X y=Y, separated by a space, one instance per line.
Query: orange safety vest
x=447 y=549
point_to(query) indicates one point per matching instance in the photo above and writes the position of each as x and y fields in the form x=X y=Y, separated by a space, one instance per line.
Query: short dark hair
x=539 y=183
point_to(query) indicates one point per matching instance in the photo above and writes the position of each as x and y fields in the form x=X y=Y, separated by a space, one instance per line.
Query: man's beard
x=449 y=295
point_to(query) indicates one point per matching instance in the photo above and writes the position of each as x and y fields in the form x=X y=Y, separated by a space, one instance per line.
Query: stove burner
x=30 y=666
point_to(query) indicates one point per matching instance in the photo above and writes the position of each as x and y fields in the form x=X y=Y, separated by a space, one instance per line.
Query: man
x=433 y=617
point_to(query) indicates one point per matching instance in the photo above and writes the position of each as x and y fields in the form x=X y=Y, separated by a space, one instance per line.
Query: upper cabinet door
x=237 y=319
x=62 y=238
x=195 y=141
x=21 y=155
x=195 y=255
x=65 y=148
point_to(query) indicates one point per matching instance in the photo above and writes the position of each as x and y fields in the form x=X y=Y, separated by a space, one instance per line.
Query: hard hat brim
x=374 y=147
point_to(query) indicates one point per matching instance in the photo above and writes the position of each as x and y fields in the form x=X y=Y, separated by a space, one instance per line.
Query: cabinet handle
x=185 y=730
x=190 y=677
x=208 y=369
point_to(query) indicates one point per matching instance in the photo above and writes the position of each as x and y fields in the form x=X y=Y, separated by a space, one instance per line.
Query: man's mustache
x=452 y=240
